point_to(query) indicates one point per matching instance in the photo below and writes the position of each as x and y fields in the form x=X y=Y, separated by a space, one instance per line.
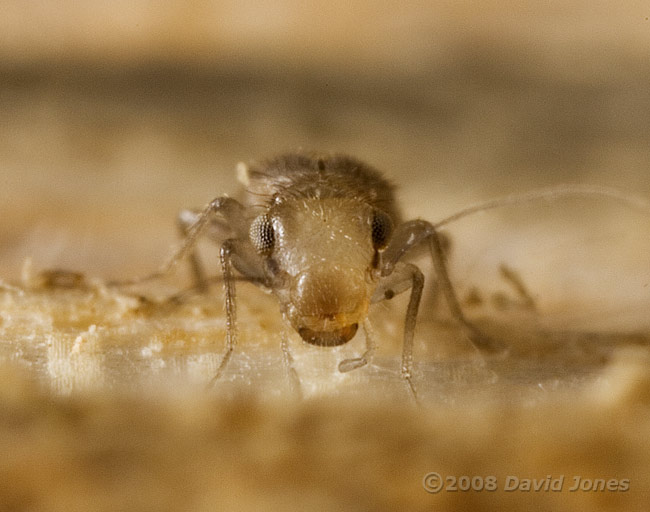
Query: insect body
x=324 y=234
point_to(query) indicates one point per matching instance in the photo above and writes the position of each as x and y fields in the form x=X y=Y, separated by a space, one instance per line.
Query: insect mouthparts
x=328 y=338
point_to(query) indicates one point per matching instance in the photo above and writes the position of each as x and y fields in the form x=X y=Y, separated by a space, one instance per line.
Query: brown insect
x=324 y=233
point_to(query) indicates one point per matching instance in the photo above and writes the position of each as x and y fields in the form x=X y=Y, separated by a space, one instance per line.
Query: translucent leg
x=417 y=283
x=347 y=365
x=231 y=308
x=287 y=360
x=413 y=233
x=404 y=276
x=185 y=221
x=479 y=339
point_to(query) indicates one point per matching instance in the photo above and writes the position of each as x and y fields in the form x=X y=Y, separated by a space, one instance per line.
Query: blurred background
x=115 y=115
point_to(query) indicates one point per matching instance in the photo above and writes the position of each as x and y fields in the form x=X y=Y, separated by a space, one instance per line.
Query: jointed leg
x=412 y=233
x=239 y=255
x=442 y=275
x=403 y=277
x=185 y=221
x=348 y=365
x=514 y=279
x=417 y=280
x=230 y=209
x=231 y=307
x=287 y=360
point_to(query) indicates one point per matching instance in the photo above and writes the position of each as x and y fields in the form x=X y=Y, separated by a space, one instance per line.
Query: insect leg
x=402 y=277
x=479 y=339
x=217 y=230
x=241 y=255
x=233 y=222
x=348 y=365
x=226 y=253
x=185 y=220
x=287 y=360
x=413 y=233
x=514 y=280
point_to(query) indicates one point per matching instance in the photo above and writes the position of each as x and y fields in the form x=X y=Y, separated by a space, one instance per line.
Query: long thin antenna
x=552 y=194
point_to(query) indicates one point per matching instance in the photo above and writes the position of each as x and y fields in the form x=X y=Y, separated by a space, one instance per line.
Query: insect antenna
x=552 y=194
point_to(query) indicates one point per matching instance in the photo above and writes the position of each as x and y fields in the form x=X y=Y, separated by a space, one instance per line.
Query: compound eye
x=262 y=235
x=382 y=228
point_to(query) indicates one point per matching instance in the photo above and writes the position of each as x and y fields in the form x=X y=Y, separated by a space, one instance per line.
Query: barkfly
x=325 y=235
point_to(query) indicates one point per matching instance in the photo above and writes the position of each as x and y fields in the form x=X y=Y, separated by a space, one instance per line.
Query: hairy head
x=322 y=254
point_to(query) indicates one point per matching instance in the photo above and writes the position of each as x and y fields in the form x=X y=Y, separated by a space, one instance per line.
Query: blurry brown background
x=115 y=115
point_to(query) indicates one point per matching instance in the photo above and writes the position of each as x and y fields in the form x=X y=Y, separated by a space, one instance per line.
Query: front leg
x=413 y=233
x=241 y=255
x=404 y=276
x=347 y=365
x=194 y=224
x=231 y=306
x=219 y=228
